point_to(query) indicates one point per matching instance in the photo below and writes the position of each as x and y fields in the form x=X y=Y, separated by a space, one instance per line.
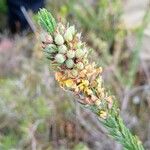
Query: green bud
x=59 y=39
x=74 y=72
x=71 y=29
x=62 y=49
x=68 y=36
x=71 y=54
x=69 y=63
x=60 y=58
x=79 y=53
x=50 y=48
x=80 y=65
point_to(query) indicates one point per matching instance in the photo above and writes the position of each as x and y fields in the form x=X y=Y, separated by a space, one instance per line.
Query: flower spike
x=68 y=56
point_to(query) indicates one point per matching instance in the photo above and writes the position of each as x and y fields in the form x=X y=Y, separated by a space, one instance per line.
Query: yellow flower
x=88 y=91
x=81 y=86
x=58 y=76
x=103 y=114
x=84 y=84
x=69 y=83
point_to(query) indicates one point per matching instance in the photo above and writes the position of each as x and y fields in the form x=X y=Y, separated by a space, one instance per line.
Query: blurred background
x=35 y=114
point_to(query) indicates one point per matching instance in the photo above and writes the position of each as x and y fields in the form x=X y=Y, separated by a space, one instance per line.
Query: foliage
x=21 y=113
x=3 y=6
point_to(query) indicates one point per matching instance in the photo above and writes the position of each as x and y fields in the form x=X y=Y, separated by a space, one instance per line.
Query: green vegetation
x=3 y=6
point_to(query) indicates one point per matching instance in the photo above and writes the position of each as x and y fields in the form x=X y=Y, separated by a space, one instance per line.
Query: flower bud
x=46 y=38
x=62 y=49
x=80 y=65
x=79 y=53
x=71 y=29
x=68 y=36
x=69 y=63
x=61 y=28
x=59 y=39
x=74 y=72
x=49 y=39
x=60 y=58
x=50 y=48
x=71 y=54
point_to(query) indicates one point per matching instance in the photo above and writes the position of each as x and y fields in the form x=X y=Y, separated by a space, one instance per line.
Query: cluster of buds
x=68 y=56
x=64 y=49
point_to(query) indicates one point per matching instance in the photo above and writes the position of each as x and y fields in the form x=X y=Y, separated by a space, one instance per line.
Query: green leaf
x=46 y=20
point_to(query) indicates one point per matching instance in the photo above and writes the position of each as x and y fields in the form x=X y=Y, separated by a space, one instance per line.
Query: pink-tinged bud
x=80 y=65
x=49 y=39
x=46 y=38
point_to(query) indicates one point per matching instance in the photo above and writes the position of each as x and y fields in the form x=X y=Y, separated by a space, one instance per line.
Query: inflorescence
x=68 y=56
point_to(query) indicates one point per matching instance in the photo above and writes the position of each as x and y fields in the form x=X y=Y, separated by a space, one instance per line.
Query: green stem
x=117 y=129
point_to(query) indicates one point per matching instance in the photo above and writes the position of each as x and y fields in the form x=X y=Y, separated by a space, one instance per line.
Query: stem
x=121 y=133
x=118 y=131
